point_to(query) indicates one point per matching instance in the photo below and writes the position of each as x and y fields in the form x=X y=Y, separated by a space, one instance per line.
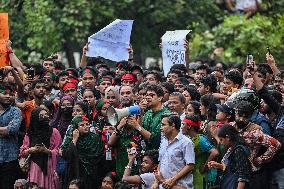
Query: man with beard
x=38 y=92
x=51 y=93
x=10 y=120
x=263 y=147
x=126 y=94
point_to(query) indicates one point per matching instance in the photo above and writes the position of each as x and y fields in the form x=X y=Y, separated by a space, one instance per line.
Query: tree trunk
x=69 y=54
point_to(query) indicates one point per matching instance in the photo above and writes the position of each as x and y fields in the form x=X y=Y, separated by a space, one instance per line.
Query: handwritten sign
x=112 y=41
x=173 y=51
x=4 y=36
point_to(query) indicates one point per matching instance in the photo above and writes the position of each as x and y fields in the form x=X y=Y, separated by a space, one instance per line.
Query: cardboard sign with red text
x=4 y=36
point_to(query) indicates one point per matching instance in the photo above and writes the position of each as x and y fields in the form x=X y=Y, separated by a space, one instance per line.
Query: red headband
x=192 y=123
x=128 y=77
x=74 y=80
x=69 y=85
x=84 y=118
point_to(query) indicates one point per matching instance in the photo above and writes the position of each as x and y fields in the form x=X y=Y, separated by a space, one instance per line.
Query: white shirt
x=148 y=180
x=243 y=4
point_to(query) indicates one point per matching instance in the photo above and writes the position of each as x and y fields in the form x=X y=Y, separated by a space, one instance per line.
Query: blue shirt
x=9 y=149
x=175 y=156
x=261 y=120
x=205 y=144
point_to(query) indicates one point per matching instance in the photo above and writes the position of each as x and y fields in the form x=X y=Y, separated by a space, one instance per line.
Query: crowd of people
x=205 y=125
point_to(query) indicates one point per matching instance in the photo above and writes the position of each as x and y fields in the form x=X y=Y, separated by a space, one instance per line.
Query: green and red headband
x=88 y=71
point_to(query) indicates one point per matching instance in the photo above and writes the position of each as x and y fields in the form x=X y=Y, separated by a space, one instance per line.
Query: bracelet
x=128 y=167
x=139 y=128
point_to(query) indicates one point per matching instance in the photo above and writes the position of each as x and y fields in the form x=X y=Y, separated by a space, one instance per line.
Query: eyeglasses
x=47 y=79
x=171 y=114
x=84 y=125
x=66 y=106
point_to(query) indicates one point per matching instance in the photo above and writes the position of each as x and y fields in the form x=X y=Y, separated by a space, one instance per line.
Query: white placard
x=112 y=41
x=173 y=51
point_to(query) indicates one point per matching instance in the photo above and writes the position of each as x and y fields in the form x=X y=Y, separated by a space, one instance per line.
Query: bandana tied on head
x=69 y=86
x=89 y=71
x=51 y=75
x=74 y=80
x=89 y=146
x=192 y=123
x=106 y=78
x=5 y=89
x=128 y=77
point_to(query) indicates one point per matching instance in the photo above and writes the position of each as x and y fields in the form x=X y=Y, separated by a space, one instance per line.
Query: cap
x=227 y=107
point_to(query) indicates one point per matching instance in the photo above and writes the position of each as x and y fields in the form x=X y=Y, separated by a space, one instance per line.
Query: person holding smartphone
x=42 y=143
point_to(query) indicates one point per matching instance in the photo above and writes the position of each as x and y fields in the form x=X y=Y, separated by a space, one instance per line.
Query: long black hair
x=232 y=133
x=209 y=101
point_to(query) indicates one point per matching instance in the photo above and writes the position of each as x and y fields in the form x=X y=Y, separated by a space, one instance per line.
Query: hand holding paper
x=112 y=41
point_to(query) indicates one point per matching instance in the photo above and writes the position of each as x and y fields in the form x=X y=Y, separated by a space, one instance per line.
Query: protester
x=235 y=163
x=112 y=94
x=76 y=184
x=206 y=96
x=176 y=155
x=42 y=143
x=202 y=147
x=255 y=139
x=176 y=104
x=10 y=120
x=109 y=181
x=148 y=166
x=63 y=115
x=193 y=108
x=152 y=118
x=82 y=150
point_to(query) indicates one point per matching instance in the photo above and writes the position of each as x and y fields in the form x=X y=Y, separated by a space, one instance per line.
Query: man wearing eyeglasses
x=49 y=80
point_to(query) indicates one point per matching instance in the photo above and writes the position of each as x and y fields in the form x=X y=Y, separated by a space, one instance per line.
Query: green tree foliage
x=47 y=26
x=240 y=36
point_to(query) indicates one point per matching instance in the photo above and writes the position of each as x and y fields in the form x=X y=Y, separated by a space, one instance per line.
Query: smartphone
x=31 y=73
x=268 y=50
x=250 y=61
